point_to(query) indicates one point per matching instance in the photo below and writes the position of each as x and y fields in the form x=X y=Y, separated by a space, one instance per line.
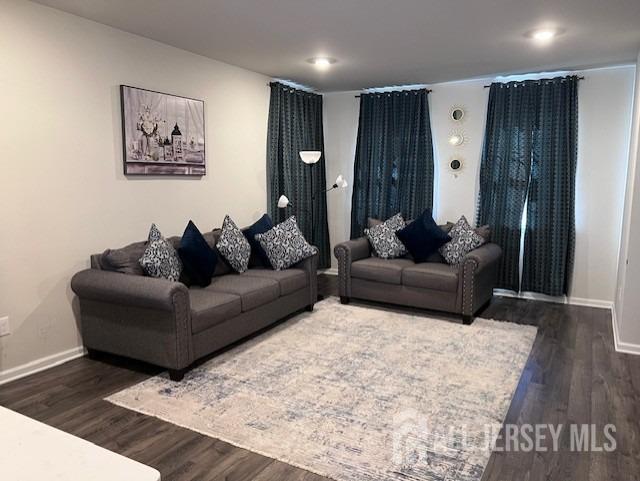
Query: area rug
x=354 y=393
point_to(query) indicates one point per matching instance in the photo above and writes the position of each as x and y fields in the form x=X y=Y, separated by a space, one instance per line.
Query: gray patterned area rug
x=354 y=393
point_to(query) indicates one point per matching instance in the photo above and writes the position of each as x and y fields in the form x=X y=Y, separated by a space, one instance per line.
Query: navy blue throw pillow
x=423 y=237
x=260 y=226
x=198 y=259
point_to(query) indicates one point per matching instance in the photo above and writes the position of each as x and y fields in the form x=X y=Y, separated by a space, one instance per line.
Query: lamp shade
x=283 y=201
x=341 y=182
x=310 y=156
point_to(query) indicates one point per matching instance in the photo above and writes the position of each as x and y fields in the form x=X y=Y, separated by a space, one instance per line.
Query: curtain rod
x=488 y=86
x=410 y=90
x=300 y=88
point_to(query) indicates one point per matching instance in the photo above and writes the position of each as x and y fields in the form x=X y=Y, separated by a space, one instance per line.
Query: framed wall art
x=162 y=134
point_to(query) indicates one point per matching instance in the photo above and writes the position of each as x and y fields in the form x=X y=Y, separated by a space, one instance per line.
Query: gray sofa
x=430 y=285
x=167 y=324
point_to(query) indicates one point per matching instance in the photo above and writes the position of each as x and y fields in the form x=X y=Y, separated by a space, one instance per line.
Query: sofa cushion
x=209 y=308
x=431 y=275
x=253 y=291
x=212 y=237
x=290 y=280
x=484 y=231
x=377 y=269
x=371 y=222
x=222 y=266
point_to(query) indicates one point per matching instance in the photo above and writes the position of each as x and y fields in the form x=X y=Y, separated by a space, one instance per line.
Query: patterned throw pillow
x=464 y=239
x=154 y=233
x=285 y=245
x=233 y=246
x=160 y=259
x=384 y=240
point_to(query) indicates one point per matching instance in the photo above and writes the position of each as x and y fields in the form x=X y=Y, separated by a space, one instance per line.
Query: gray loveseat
x=167 y=324
x=462 y=289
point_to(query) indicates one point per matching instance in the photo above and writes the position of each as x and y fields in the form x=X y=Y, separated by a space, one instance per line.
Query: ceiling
x=381 y=42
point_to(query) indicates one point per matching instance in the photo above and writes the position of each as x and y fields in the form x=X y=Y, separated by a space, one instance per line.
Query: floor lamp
x=310 y=157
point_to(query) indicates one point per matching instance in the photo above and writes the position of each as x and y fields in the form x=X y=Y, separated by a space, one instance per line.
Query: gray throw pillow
x=484 y=231
x=383 y=238
x=160 y=259
x=125 y=259
x=373 y=222
x=285 y=244
x=233 y=246
x=464 y=239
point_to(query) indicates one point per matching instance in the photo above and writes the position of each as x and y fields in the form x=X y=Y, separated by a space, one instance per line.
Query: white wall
x=605 y=99
x=340 y=115
x=62 y=192
x=627 y=303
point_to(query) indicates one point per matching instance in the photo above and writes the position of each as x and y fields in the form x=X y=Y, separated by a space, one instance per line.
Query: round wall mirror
x=456 y=139
x=455 y=165
x=457 y=113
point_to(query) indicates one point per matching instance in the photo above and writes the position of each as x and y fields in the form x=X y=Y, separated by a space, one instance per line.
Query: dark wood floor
x=573 y=376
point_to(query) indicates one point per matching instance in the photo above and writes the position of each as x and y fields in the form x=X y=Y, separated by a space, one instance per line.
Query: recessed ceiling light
x=322 y=62
x=543 y=35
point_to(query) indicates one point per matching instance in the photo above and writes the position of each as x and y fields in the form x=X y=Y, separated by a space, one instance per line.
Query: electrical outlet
x=5 y=329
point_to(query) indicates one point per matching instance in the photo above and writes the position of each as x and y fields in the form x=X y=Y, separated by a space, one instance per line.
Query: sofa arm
x=484 y=256
x=346 y=253
x=354 y=249
x=125 y=289
x=479 y=271
x=310 y=266
x=139 y=317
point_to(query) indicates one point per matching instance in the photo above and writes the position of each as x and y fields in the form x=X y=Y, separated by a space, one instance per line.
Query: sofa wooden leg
x=309 y=308
x=177 y=374
x=345 y=300
x=467 y=320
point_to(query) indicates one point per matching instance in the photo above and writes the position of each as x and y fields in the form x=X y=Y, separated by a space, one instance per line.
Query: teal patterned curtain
x=550 y=234
x=504 y=172
x=295 y=124
x=393 y=169
x=529 y=156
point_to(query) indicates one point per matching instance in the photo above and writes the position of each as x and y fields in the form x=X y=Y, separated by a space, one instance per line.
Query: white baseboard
x=40 y=364
x=620 y=346
x=625 y=347
x=575 y=301
x=332 y=271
